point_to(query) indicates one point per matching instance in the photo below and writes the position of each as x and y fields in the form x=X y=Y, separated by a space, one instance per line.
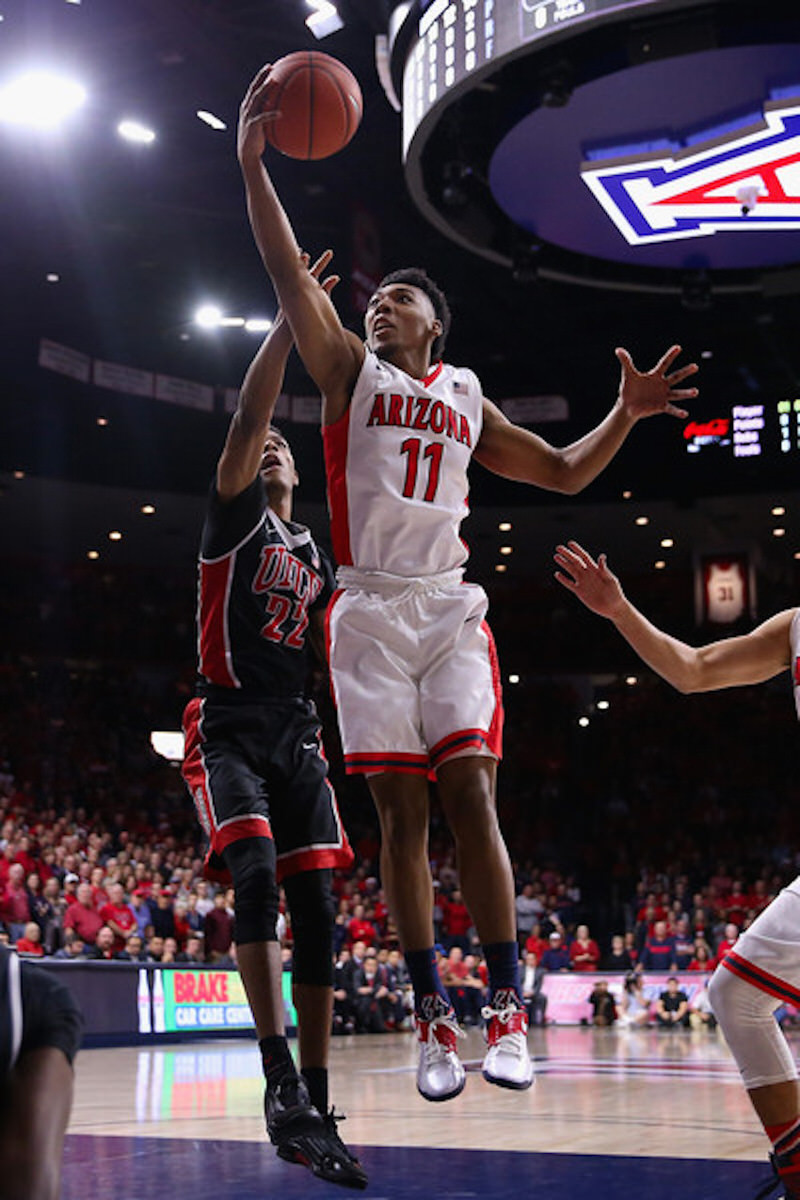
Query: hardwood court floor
x=613 y=1113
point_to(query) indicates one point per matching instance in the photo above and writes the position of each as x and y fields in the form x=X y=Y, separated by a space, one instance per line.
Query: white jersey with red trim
x=396 y=464
x=794 y=638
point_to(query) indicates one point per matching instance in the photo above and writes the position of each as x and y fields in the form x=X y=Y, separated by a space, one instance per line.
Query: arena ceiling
x=108 y=248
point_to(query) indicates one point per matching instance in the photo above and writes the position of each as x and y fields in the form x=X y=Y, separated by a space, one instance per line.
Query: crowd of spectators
x=644 y=841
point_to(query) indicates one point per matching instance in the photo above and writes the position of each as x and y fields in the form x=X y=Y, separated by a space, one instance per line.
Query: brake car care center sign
x=203 y=999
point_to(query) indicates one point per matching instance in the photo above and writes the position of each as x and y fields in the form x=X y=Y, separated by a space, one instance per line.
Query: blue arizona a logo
x=746 y=180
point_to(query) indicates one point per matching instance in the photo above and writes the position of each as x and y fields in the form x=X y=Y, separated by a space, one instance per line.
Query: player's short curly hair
x=419 y=278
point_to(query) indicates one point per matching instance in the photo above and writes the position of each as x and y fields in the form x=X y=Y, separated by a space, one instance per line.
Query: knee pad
x=251 y=863
x=746 y=1017
x=310 y=899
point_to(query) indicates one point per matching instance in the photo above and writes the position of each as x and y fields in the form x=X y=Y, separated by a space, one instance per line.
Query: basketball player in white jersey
x=412 y=660
x=763 y=971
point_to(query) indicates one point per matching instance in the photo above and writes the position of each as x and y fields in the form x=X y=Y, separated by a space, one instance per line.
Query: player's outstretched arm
x=332 y=355
x=517 y=453
x=240 y=459
x=751 y=658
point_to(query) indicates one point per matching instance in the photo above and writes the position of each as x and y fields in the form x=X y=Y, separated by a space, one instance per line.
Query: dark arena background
x=578 y=175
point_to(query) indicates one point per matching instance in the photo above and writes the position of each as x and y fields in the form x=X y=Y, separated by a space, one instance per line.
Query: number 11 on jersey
x=433 y=453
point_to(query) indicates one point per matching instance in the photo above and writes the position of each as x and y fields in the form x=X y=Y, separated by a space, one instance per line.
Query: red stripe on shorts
x=744 y=969
x=399 y=764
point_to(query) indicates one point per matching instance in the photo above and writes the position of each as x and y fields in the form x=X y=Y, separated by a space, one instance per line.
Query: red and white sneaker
x=507 y=1062
x=440 y=1074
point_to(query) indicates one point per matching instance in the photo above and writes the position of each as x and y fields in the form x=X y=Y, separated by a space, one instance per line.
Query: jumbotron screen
x=454 y=39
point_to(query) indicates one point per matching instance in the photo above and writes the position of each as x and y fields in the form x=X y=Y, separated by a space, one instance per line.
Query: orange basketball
x=319 y=101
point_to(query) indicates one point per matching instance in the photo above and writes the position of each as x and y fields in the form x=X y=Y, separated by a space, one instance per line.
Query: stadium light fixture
x=134 y=131
x=40 y=99
x=324 y=20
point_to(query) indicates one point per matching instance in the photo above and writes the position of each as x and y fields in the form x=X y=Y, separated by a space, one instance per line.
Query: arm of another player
x=518 y=454
x=332 y=354
x=751 y=658
x=244 y=446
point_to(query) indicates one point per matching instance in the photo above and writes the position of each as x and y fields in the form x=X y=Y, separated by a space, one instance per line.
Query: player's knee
x=735 y=1002
x=746 y=1018
x=309 y=896
x=251 y=863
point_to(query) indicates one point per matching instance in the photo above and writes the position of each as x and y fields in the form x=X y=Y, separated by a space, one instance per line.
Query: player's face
x=399 y=317
x=277 y=464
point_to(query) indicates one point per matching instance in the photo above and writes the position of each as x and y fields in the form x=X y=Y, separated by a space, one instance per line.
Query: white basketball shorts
x=414 y=673
x=768 y=953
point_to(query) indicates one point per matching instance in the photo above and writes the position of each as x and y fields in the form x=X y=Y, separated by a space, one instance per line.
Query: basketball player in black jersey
x=40 y=1031
x=254 y=763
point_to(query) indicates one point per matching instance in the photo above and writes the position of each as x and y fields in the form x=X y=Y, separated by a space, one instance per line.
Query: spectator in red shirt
x=24 y=855
x=728 y=941
x=463 y=986
x=15 y=909
x=83 y=917
x=456 y=922
x=535 y=943
x=359 y=929
x=31 y=941
x=118 y=916
x=584 y=953
x=218 y=930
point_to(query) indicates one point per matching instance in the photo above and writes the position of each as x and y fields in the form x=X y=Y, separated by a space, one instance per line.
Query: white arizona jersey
x=396 y=463
x=794 y=638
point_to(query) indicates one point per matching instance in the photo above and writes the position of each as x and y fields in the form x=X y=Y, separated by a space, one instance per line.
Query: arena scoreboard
x=625 y=143
x=446 y=42
x=768 y=431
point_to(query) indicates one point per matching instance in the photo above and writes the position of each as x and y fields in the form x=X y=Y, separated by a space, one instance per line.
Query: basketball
x=320 y=104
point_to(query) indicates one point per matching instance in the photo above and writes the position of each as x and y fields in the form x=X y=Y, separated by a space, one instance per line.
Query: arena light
x=324 y=20
x=40 y=99
x=134 y=131
x=257 y=325
x=168 y=743
x=208 y=316
x=209 y=119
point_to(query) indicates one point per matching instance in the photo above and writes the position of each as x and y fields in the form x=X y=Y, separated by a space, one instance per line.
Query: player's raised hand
x=592 y=582
x=251 y=138
x=315 y=269
x=646 y=393
x=322 y=263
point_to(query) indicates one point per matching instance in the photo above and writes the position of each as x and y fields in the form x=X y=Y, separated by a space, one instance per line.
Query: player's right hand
x=251 y=139
x=592 y=582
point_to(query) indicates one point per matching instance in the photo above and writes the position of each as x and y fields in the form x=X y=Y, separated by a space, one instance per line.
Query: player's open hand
x=251 y=138
x=314 y=269
x=322 y=263
x=644 y=394
x=592 y=582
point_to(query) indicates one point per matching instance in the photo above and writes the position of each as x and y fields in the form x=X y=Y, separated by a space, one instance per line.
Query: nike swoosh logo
x=309 y=745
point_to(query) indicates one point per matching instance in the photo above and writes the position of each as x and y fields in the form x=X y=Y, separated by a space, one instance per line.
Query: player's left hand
x=644 y=394
x=314 y=269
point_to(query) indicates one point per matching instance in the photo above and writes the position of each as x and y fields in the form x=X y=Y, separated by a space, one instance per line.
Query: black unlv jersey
x=259 y=578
